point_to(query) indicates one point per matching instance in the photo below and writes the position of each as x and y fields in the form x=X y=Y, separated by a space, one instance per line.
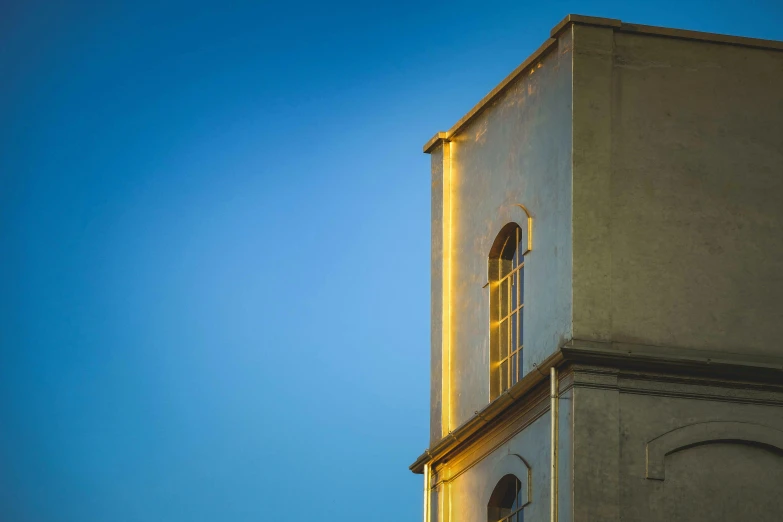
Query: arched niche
x=511 y=464
x=701 y=433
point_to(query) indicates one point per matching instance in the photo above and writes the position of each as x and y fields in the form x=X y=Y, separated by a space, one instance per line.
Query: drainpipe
x=553 y=408
x=426 y=493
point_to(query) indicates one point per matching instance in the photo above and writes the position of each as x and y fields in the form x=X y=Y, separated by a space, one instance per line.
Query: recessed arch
x=505 y=279
x=506 y=302
x=510 y=464
x=497 y=249
x=692 y=435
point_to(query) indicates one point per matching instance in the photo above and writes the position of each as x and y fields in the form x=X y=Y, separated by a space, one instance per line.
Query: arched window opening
x=506 y=291
x=506 y=501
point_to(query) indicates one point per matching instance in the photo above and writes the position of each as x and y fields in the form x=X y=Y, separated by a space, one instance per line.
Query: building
x=607 y=285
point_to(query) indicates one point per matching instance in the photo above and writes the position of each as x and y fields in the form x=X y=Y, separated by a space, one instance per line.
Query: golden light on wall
x=449 y=235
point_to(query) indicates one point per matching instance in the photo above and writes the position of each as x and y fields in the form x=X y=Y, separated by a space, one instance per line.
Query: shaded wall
x=660 y=448
x=715 y=480
x=679 y=200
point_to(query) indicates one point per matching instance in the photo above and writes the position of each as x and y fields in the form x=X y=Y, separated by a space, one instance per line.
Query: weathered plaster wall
x=518 y=151
x=729 y=480
x=678 y=221
x=592 y=73
x=678 y=241
x=719 y=466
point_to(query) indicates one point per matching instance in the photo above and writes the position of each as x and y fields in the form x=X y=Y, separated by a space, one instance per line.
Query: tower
x=607 y=282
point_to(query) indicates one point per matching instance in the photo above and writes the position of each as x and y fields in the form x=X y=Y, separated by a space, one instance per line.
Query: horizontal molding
x=664 y=371
x=487 y=415
x=681 y=34
x=524 y=412
x=675 y=359
x=680 y=387
x=467 y=455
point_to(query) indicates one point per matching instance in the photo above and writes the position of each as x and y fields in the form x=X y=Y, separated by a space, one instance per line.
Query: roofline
x=617 y=25
x=494 y=93
x=762 y=369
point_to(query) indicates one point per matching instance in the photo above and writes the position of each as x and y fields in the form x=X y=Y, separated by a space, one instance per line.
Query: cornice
x=629 y=368
x=739 y=365
x=489 y=413
x=669 y=32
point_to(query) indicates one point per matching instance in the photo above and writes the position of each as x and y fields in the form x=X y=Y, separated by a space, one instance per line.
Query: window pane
x=514 y=294
x=504 y=298
x=503 y=342
x=514 y=333
x=513 y=369
x=517 y=492
x=520 y=324
x=505 y=266
x=504 y=375
x=519 y=495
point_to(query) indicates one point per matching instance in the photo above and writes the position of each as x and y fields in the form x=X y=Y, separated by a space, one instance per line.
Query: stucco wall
x=680 y=204
x=660 y=448
x=518 y=151
x=729 y=480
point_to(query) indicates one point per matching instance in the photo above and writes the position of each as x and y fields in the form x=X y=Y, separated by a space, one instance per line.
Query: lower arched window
x=506 y=501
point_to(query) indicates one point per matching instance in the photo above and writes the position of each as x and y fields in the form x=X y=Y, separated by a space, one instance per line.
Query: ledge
x=585 y=20
x=692 y=362
x=487 y=414
x=684 y=34
x=436 y=140
x=676 y=359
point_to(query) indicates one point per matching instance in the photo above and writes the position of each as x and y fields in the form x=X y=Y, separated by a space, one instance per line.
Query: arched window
x=506 y=292
x=506 y=501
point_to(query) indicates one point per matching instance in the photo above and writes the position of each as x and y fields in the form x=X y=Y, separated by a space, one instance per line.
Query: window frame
x=496 y=511
x=506 y=294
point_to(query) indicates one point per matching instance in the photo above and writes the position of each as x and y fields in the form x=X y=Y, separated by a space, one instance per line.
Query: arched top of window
x=507 y=500
x=506 y=242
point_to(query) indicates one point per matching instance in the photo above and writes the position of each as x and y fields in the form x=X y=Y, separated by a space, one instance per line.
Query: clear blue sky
x=214 y=245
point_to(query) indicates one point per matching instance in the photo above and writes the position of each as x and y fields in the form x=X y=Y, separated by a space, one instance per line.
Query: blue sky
x=214 y=245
